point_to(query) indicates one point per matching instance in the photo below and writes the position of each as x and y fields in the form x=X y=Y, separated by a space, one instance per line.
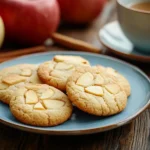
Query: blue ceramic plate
x=80 y=122
x=113 y=38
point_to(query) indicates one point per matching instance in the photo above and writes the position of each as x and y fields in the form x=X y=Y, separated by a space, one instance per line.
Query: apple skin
x=80 y=11
x=2 y=32
x=29 y=22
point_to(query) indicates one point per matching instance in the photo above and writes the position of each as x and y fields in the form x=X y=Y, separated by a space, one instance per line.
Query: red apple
x=80 y=11
x=29 y=22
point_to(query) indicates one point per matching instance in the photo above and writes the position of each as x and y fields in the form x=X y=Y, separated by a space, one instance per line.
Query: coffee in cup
x=142 y=6
x=134 y=19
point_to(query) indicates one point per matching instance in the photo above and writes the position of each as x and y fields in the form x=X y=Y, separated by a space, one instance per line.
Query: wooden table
x=133 y=136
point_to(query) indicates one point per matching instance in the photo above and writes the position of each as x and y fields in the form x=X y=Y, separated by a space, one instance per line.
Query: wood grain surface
x=133 y=136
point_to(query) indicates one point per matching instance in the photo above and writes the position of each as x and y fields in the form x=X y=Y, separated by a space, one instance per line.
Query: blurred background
x=30 y=22
x=25 y=26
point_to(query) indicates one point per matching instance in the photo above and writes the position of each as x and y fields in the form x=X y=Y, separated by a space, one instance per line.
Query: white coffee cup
x=135 y=23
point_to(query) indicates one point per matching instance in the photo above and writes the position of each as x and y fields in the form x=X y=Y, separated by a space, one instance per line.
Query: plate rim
x=82 y=131
x=125 y=55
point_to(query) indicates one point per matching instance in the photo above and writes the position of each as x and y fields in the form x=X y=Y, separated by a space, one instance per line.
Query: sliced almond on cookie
x=85 y=80
x=47 y=94
x=59 y=58
x=62 y=58
x=99 y=80
x=39 y=106
x=96 y=90
x=112 y=88
x=30 y=86
x=64 y=66
x=26 y=72
x=111 y=71
x=71 y=59
x=13 y=79
x=53 y=104
x=79 y=88
x=31 y=97
x=34 y=78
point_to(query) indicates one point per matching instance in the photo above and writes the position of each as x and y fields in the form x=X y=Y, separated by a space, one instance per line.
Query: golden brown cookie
x=122 y=81
x=14 y=75
x=96 y=92
x=57 y=71
x=40 y=105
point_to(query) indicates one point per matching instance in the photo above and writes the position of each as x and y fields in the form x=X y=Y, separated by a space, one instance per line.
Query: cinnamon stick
x=74 y=43
x=6 y=58
x=19 y=52
x=56 y=37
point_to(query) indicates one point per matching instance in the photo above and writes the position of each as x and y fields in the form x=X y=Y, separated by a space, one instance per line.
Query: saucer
x=112 y=37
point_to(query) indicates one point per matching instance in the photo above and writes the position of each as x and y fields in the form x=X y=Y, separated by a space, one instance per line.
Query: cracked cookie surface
x=40 y=105
x=14 y=75
x=57 y=71
x=122 y=81
x=96 y=92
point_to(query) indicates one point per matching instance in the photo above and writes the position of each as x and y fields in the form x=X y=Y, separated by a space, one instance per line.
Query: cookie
x=57 y=71
x=96 y=92
x=15 y=75
x=40 y=105
x=122 y=81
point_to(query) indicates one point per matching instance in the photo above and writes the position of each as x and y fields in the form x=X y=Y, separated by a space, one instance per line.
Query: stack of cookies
x=44 y=95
